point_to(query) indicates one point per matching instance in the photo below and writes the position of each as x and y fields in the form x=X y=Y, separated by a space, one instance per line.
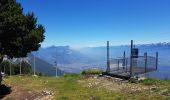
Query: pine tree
x=19 y=32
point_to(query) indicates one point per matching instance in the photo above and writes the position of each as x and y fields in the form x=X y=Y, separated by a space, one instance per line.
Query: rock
x=29 y=92
x=100 y=75
x=107 y=76
x=165 y=92
x=153 y=88
x=141 y=78
x=45 y=92
x=95 y=77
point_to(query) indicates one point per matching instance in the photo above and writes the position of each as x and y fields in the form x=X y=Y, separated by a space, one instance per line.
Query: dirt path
x=19 y=93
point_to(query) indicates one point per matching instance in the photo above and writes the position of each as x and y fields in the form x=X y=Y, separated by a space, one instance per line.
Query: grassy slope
x=77 y=87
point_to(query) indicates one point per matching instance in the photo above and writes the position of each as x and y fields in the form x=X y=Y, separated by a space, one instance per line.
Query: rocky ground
x=91 y=87
x=19 y=93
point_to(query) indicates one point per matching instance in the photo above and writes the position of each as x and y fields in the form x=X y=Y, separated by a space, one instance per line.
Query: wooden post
x=156 y=60
x=145 y=58
x=108 y=61
x=131 y=72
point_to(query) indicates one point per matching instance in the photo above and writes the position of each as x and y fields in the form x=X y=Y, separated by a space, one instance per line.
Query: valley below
x=70 y=60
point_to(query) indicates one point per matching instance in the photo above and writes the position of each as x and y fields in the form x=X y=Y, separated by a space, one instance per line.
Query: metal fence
x=127 y=66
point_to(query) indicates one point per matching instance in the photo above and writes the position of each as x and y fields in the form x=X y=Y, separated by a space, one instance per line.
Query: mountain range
x=75 y=60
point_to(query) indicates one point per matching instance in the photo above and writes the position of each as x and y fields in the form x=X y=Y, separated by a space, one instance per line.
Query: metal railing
x=140 y=65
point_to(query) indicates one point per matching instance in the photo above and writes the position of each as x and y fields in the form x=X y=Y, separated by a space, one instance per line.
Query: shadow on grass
x=4 y=90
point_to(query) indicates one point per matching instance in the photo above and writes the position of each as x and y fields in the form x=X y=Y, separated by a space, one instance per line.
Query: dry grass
x=77 y=87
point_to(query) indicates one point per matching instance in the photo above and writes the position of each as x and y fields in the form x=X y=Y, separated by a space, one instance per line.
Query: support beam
x=20 y=66
x=145 y=58
x=108 y=61
x=56 y=71
x=126 y=65
x=124 y=60
x=118 y=65
x=156 y=60
x=131 y=59
x=10 y=67
x=34 y=65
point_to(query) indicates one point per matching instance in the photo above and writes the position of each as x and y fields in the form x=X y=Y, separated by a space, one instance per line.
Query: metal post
x=10 y=67
x=124 y=60
x=156 y=60
x=4 y=68
x=126 y=65
x=20 y=65
x=34 y=65
x=131 y=72
x=145 y=58
x=56 y=68
x=118 y=65
x=108 y=61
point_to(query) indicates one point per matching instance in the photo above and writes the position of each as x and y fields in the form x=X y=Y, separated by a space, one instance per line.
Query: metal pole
x=126 y=65
x=131 y=58
x=145 y=58
x=108 y=62
x=118 y=65
x=124 y=60
x=156 y=60
x=20 y=65
x=4 y=68
x=10 y=67
x=56 y=68
x=34 y=65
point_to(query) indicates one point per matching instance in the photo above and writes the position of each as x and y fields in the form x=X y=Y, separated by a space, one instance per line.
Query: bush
x=71 y=75
x=150 y=81
x=133 y=80
x=6 y=67
x=15 y=68
x=91 y=72
x=25 y=68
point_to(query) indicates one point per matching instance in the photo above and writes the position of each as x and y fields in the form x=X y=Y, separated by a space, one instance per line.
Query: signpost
x=135 y=53
x=133 y=58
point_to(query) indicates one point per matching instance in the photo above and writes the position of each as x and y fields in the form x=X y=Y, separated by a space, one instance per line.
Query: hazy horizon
x=80 y=47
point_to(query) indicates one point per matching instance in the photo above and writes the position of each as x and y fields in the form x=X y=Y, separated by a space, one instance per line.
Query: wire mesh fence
x=127 y=66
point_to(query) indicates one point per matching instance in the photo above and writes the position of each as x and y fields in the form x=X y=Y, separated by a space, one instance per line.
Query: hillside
x=90 y=55
x=78 y=87
x=44 y=67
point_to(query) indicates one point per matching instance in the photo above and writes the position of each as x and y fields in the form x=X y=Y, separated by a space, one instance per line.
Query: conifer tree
x=19 y=32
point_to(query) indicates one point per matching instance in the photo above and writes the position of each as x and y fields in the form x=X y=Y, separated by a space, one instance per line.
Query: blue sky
x=82 y=23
